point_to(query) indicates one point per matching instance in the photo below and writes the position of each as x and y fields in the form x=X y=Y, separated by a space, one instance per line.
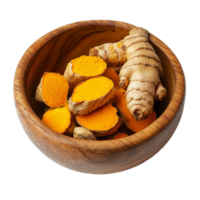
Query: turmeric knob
x=127 y=118
x=83 y=133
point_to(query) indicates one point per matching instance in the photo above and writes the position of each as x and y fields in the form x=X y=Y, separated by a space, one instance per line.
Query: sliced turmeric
x=120 y=135
x=91 y=94
x=116 y=68
x=52 y=90
x=140 y=73
x=99 y=121
x=58 y=119
x=112 y=130
x=127 y=118
x=111 y=74
x=82 y=68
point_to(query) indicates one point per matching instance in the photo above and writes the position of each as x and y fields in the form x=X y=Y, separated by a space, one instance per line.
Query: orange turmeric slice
x=112 y=130
x=127 y=118
x=92 y=89
x=120 y=135
x=82 y=68
x=91 y=94
x=88 y=66
x=101 y=120
x=58 y=119
x=52 y=90
x=111 y=74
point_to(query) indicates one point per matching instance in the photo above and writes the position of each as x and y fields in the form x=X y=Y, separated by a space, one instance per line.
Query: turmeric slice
x=127 y=118
x=112 y=130
x=82 y=68
x=91 y=94
x=140 y=73
x=52 y=90
x=58 y=119
x=116 y=68
x=120 y=135
x=111 y=74
x=100 y=121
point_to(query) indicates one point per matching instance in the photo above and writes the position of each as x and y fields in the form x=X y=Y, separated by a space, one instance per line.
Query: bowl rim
x=24 y=109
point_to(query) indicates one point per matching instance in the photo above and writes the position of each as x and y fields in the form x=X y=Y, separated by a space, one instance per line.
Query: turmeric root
x=58 y=119
x=83 y=133
x=100 y=121
x=82 y=68
x=52 y=90
x=112 y=53
x=127 y=118
x=91 y=94
x=111 y=74
x=141 y=71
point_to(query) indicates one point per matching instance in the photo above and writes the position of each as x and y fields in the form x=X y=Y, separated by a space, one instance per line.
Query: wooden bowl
x=51 y=53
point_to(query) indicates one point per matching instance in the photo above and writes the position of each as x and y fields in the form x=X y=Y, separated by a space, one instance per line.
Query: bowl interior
x=54 y=55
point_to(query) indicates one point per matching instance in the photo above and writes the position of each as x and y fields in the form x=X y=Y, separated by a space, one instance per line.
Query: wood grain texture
x=51 y=53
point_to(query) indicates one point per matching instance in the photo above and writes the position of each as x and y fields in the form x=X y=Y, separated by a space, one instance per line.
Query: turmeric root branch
x=161 y=92
x=140 y=73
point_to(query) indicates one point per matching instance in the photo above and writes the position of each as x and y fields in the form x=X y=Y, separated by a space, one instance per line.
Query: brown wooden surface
x=51 y=53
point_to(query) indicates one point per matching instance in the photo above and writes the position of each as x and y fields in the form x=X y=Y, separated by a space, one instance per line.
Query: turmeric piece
x=83 y=133
x=99 y=121
x=127 y=118
x=141 y=72
x=52 y=90
x=82 y=68
x=91 y=94
x=111 y=74
x=116 y=68
x=120 y=135
x=70 y=130
x=112 y=130
x=58 y=119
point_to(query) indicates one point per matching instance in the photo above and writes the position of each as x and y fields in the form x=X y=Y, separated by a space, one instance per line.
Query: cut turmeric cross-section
x=91 y=94
x=101 y=120
x=82 y=68
x=112 y=75
x=92 y=89
x=52 y=90
x=120 y=135
x=58 y=119
x=88 y=66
